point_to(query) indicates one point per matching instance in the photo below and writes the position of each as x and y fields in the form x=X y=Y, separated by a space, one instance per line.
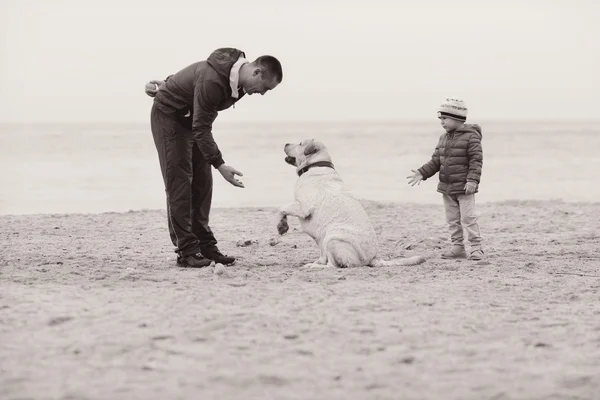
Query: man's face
x=260 y=82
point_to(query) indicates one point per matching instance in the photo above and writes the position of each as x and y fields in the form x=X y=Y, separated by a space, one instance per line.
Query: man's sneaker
x=455 y=252
x=218 y=257
x=193 y=261
x=476 y=255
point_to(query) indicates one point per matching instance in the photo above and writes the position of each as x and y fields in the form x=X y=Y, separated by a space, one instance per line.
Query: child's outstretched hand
x=470 y=187
x=414 y=179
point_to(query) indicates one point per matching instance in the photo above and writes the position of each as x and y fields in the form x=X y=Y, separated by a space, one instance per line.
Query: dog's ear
x=310 y=149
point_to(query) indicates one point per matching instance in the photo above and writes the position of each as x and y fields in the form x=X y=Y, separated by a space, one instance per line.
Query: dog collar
x=317 y=164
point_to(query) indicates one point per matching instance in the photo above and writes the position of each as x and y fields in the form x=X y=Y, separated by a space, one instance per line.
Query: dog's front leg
x=294 y=210
x=320 y=263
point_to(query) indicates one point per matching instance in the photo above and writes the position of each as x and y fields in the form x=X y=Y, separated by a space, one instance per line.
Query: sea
x=99 y=167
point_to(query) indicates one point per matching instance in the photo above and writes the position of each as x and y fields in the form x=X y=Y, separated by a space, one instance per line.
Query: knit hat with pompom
x=453 y=108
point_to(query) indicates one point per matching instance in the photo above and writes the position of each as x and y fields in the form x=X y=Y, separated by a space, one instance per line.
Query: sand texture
x=93 y=306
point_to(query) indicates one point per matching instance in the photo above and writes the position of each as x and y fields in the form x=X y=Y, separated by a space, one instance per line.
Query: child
x=458 y=157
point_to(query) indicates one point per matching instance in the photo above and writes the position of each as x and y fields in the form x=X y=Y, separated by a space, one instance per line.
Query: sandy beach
x=93 y=306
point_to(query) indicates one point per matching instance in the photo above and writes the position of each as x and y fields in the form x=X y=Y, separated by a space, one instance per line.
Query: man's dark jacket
x=202 y=89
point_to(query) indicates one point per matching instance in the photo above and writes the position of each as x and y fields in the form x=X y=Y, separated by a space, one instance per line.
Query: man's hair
x=272 y=65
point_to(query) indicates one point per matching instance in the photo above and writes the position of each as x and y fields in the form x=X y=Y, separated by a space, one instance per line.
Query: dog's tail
x=397 y=262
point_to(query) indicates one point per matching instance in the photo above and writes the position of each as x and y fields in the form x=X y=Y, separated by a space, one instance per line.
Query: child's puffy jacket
x=458 y=157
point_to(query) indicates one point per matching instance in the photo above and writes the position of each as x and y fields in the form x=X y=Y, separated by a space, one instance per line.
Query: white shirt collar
x=234 y=76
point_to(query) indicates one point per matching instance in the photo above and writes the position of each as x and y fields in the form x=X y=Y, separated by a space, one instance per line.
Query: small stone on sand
x=219 y=269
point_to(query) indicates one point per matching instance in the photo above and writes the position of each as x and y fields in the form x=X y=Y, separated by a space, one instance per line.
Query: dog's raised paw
x=282 y=227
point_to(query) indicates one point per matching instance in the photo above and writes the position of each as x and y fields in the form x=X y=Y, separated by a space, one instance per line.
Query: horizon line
x=311 y=121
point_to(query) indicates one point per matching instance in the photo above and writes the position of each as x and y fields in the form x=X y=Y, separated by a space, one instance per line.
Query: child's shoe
x=455 y=252
x=476 y=255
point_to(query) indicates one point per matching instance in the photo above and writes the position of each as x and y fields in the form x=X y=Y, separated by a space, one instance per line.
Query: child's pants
x=460 y=213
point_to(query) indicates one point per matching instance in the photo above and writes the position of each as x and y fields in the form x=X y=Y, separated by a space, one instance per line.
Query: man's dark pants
x=188 y=183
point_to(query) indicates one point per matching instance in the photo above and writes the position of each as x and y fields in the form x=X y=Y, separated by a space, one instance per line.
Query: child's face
x=449 y=124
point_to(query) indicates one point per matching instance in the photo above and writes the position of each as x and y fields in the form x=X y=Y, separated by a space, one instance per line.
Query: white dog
x=330 y=214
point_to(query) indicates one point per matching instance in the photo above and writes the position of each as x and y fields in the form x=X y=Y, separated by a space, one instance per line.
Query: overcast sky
x=79 y=61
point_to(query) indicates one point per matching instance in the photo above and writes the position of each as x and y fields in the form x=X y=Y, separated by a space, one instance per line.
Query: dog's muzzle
x=291 y=160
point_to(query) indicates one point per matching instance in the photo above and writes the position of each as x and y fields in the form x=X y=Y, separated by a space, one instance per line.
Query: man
x=185 y=106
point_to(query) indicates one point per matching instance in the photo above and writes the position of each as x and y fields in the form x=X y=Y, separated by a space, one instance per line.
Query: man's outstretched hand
x=153 y=87
x=229 y=174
